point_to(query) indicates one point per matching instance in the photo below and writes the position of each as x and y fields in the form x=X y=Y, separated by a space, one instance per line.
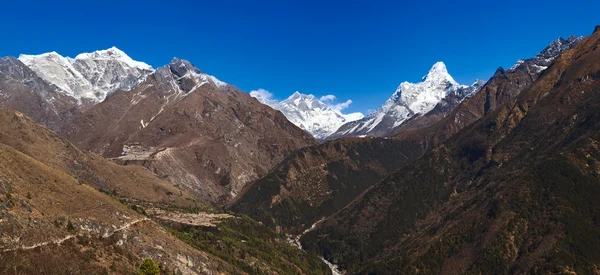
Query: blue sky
x=358 y=50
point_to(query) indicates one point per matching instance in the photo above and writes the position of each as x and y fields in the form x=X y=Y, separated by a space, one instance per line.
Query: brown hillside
x=43 y=145
x=54 y=220
x=208 y=139
x=51 y=223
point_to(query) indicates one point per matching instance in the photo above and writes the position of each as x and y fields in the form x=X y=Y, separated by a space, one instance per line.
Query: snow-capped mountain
x=409 y=100
x=89 y=77
x=309 y=113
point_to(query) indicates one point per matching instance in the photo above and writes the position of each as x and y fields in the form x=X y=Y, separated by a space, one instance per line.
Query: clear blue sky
x=359 y=50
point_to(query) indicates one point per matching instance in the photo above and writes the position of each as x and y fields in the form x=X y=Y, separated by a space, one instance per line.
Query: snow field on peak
x=115 y=54
x=89 y=76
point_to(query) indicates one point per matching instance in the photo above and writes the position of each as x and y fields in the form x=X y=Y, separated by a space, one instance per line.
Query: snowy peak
x=409 y=99
x=468 y=91
x=304 y=102
x=30 y=59
x=423 y=96
x=115 y=54
x=479 y=83
x=439 y=74
x=308 y=112
x=89 y=77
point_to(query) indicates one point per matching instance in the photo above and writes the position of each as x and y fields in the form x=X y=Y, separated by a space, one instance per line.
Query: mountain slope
x=133 y=182
x=310 y=113
x=89 y=77
x=22 y=89
x=340 y=170
x=387 y=122
x=409 y=100
x=503 y=86
x=317 y=181
x=63 y=211
x=51 y=220
x=190 y=128
x=513 y=192
x=441 y=109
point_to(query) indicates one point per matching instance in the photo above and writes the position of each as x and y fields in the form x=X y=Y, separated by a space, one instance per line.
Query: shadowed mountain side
x=317 y=181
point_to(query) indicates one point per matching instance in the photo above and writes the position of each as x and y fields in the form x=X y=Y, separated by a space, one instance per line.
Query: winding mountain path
x=71 y=236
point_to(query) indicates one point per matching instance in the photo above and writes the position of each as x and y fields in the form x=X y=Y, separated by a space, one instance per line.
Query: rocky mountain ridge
x=190 y=128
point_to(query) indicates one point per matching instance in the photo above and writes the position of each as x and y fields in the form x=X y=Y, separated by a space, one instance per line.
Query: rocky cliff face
x=23 y=90
x=190 y=128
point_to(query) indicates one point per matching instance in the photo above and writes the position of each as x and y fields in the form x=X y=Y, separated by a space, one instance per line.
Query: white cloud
x=353 y=116
x=340 y=106
x=330 y=100
x=261 y=93
x=327 y=98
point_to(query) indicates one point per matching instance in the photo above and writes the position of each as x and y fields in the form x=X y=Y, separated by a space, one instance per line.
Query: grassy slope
x=250 y=246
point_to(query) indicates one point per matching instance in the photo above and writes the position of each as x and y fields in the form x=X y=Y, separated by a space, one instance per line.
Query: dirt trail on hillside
x=71 y=236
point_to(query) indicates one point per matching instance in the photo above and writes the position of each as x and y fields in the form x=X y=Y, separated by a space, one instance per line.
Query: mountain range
x=409 y=100
x=309 y=113
x=509 y=193
x=106 y=163
x=313 y=188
